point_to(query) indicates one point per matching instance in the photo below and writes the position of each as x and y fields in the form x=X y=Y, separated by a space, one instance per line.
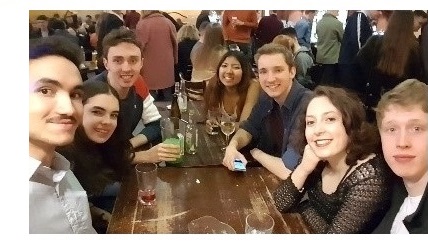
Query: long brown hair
x=215 y=90
x=213 y=42
x=398 y=44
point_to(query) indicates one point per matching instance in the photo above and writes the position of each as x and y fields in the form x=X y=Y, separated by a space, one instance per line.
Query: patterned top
x=357 y=206
x=231 y=117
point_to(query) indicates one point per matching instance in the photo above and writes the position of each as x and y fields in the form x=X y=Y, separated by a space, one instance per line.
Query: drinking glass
x=146 y=177
x=212 y=124
x=227 y=125
x=209 y=225
x=259 y=223
x=172 y=133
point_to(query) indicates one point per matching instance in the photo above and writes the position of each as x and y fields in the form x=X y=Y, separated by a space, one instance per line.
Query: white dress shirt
x=58 y=203
x=408 y=207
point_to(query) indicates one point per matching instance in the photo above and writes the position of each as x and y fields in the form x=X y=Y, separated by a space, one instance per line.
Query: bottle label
x=190 y=144
x=182 y=102
x=181 y=139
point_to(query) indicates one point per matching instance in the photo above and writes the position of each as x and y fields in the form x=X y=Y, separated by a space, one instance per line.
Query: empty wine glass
x=227 y=126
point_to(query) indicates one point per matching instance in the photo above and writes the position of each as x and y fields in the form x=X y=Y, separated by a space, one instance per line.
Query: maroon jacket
x=269 y=27
x=158 y=39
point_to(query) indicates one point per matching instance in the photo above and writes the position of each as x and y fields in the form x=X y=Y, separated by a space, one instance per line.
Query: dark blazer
x=354 y=39
x=416 y=223
x=424 y=46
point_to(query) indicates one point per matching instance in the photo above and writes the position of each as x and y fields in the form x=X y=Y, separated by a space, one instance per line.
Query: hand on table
x=230 y=155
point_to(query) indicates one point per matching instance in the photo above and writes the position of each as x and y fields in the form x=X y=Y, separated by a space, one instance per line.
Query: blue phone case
x=239 y=166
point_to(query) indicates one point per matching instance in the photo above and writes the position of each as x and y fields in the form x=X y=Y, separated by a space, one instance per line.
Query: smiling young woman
x=98 y=156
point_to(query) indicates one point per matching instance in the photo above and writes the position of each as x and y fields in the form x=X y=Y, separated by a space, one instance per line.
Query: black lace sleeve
x=364 y=203
x=287 y=195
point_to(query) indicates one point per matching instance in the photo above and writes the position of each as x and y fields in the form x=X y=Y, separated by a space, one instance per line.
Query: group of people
x=83 y=138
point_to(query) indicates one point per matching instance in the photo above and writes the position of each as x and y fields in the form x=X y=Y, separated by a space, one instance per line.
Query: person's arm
x=225 y=22
x=173 y=36
x=271 y=163
x=340 y=31
x=362 y=202
x=252 y=23
x=249 y=129
x=238 y=141
x=307 y=35
x=158 y=153
x=141 y=33
x=424 y=46
x=291 y=190
x=150 y=117
x=251 y=100
x=150 y=132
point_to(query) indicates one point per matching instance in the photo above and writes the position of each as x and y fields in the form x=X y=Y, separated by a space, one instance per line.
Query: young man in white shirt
x=57 y=202
x=402 y=118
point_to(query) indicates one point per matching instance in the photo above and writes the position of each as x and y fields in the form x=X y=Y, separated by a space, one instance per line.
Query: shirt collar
x=60 y=166
x=292 y=95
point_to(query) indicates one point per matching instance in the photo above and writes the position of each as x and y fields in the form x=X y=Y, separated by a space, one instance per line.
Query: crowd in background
x=291 y=98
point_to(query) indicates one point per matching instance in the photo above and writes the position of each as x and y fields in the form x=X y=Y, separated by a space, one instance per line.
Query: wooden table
x=209 y=151
x=185 y=194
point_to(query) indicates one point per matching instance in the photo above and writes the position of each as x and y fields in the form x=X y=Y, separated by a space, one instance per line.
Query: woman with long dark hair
x=233 y=89
x=386 y=60
x=98 y=156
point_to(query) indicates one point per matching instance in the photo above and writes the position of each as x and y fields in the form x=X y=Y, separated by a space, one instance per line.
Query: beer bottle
x=175 y=109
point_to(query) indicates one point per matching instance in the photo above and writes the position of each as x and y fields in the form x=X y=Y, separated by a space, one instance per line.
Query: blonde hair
x=408 y=93
x=187 y=31
x=285 y=41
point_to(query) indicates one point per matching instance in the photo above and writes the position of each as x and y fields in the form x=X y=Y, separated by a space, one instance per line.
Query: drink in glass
x=212 y=126
x=146 y=178
x=227 y=126
x=171 y=130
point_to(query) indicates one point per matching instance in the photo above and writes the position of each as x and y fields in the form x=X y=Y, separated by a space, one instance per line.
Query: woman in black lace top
x=346 y=182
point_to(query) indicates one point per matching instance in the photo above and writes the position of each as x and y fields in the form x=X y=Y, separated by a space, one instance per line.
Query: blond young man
x=402 y=119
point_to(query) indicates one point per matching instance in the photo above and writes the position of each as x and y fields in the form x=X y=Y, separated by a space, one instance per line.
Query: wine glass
x=227 y=126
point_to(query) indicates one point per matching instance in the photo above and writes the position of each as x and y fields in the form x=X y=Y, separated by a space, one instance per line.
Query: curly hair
x=364 y=137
